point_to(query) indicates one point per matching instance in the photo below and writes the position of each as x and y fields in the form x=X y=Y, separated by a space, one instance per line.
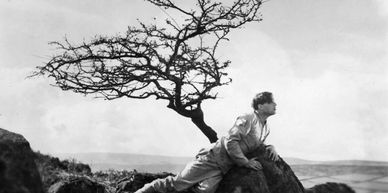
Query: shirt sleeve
x=239 y=129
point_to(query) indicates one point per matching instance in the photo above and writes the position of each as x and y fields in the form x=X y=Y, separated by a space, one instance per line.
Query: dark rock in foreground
x=276 y=177
x=18 y=171
x=243 y=180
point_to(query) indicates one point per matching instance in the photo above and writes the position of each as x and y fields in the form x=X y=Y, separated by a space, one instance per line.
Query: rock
x=275 y=177
x=330 y=187
x=18 y=171
x=243 y=180
x=77 y=185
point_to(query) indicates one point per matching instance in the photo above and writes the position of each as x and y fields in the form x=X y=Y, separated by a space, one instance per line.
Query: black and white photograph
x=200 y=96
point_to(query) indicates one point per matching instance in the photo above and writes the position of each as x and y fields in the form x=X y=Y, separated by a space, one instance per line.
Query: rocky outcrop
x=243 y=180
x=77 y=185
x=18 y=172
x=276 y=177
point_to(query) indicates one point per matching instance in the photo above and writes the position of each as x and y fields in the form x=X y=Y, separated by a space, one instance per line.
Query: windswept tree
x=174 y=61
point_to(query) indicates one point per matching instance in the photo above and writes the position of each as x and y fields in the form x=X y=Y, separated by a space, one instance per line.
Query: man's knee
x=208 y=186
x=147 y=188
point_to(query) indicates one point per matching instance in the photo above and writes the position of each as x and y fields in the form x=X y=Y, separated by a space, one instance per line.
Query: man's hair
x=261 y=98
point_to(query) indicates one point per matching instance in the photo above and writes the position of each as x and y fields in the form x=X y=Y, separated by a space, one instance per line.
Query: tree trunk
x=197 y=118
x=206 y=130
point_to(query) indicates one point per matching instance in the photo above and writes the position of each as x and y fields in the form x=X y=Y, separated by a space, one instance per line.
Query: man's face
x=268 y=108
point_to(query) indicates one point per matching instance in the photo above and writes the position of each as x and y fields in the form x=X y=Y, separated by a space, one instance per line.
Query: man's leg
x=158 y=185
x=194 y=173
x=209 y=185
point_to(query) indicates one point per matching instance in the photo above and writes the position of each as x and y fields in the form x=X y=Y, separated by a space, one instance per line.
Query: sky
x=326 y=62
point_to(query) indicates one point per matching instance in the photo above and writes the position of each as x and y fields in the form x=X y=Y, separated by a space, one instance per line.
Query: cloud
x=321 y=98
x=382 y=7
x=119 y=126
x=56 y=121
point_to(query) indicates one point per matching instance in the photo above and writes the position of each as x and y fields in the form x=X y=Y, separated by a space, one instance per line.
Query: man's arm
x=239 y=130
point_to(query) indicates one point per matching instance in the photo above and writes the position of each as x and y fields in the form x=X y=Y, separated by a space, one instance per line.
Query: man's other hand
x=254 y=164
x=273 y=155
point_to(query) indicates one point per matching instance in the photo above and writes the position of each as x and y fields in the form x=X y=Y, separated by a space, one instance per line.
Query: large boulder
x=77 y=185
x=18 y=172
x=243 y=180
x=276 y=177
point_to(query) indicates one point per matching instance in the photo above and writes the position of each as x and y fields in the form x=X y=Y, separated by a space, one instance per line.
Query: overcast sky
x=324 y=60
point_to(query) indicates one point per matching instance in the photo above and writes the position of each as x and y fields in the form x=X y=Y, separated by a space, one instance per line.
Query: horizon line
x=289 y=157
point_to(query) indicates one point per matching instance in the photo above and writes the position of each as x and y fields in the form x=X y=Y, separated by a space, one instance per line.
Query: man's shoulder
x=247 y=116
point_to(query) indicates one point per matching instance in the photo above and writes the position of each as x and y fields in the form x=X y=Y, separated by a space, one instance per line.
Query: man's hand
x=254 y=164
x=272 y=153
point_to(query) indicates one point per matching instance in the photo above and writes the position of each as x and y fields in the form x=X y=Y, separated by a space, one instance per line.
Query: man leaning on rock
x=204 y=173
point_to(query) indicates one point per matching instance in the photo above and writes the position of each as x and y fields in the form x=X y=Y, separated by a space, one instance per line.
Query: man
x=204 y=174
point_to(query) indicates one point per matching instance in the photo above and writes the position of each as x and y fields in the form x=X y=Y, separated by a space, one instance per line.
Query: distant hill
x=355 y=163
x=157 y=163
x=298 y=161
x=124 y=161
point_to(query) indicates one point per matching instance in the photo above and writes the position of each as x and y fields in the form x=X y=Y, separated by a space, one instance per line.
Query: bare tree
x=175 y=62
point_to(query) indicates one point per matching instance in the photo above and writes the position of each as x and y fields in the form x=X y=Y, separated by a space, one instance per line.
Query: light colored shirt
x=246 y=135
